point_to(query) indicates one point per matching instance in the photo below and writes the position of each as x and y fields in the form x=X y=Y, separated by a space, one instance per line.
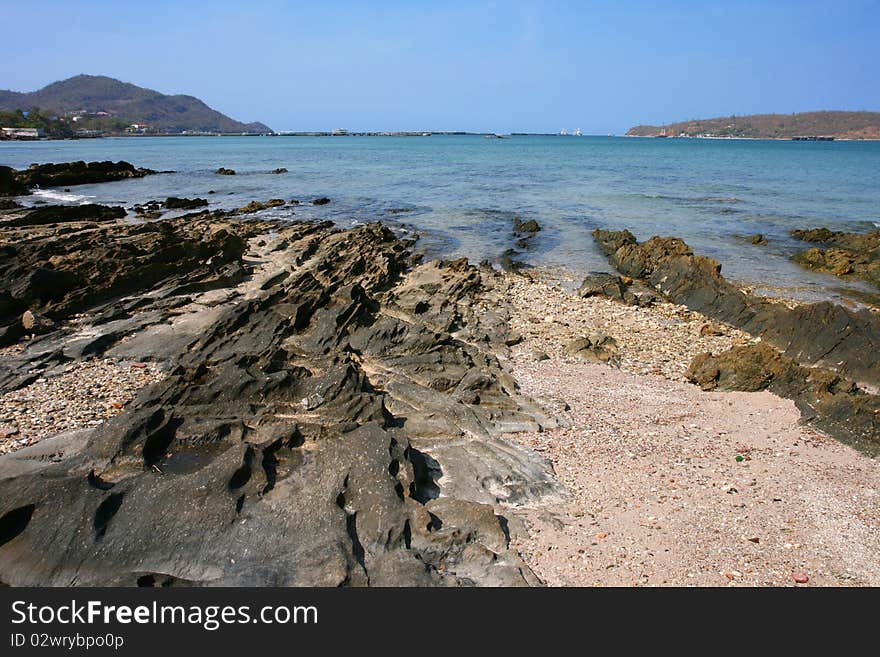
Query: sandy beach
x=670 y=485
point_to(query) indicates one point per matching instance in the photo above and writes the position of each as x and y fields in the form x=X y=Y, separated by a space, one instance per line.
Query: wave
x=62 y=197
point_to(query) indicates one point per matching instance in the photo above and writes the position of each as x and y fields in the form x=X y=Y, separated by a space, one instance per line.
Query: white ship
x=578 y=133
x=563 y=133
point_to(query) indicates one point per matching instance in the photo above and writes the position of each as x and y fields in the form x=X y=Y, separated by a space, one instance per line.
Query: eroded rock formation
x=322 y=393
x=837 y=344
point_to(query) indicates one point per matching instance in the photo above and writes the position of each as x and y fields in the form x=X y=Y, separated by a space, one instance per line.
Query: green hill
x=837 y=124
x=125 y=104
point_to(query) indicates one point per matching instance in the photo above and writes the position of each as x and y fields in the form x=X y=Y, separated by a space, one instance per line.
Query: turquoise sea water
x=461 y=192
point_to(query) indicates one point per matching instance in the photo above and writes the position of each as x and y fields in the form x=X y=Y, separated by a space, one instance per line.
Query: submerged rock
x=279 y=170
x=257 y=206
x=321 y=201
x=844 y=254
x=223 y=171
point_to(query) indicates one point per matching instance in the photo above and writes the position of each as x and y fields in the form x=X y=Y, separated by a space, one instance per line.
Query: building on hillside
x=22 y=133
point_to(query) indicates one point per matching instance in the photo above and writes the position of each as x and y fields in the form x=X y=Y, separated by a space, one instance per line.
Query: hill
x=106 y=103
x=840 y=125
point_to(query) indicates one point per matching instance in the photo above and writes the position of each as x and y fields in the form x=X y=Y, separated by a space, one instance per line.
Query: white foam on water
x=62 y=197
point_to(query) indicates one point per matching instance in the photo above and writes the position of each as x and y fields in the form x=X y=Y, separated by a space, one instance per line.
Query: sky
x=479 y=65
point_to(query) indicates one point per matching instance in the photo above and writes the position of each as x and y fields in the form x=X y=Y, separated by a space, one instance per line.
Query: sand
x=673 y=486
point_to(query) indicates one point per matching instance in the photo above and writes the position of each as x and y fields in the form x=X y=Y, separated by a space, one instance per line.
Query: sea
x=460 y=193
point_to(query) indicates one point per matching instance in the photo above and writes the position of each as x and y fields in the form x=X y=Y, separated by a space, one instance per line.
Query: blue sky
x=495 y=66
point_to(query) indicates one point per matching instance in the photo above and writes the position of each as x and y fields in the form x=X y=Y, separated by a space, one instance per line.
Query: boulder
x=321 y=201
x=596 y=348
x=225 y=172
x=174 y=203
x=617 y=288
x=10 y=184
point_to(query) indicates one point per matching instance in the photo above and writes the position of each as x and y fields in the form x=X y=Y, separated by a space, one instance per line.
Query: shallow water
x=461 y=192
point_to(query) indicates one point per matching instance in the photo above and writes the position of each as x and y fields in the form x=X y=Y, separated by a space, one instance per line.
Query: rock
x=539 y=355
x=528 y=227
x=758 y=240
x=826 y=400
x=293 y=201
x=321 y=201
x=225 y=172
x=821 y=334
x=58 y=214
x=257 y=206
x=596 y=348
x=279 y=170
x=174 y=203
x=844 y=254
x=616 y=288
x=10 y=185
x=9 y=204
x=219 y=474
x=712 y=329
x=799 y=577
x=79 y=173
x=36 y=324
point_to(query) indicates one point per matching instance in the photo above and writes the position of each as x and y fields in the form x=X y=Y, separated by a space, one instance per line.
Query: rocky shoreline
x=220 y=399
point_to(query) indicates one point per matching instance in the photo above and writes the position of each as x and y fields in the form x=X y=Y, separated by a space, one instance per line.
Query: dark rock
x=174 y=203
x=225 y=172
x=9 y=204
x=10 y=184
x=758 y=240
x=59 y=214
x=279 y=170
x=221 y=475
x=79 y=173
x=825 y=400
x=821 y=334
x=321 y=201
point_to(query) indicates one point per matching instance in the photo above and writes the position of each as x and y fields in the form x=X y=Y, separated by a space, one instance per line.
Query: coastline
x=398 y=422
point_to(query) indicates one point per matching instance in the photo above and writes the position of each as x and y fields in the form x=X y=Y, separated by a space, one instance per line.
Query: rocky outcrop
x=842 y=254
x=70 y=259
x=826 y=341
x=60 y=214
x=10 y=185
x=330 y=417
x=78 y=173
x=174 y=203
x=825 y=400
x=823 y=334
x=257 y=206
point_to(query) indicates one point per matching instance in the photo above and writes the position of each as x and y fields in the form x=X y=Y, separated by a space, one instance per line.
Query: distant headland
x=805 y=125
x=96 y=105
